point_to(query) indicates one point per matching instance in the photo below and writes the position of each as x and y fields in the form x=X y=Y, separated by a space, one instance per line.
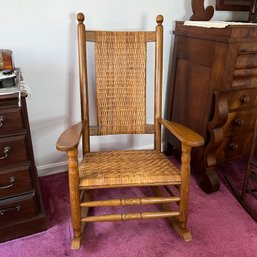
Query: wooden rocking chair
x=120 y=67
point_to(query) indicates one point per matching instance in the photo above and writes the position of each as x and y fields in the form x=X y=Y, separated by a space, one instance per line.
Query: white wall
x=42 y=35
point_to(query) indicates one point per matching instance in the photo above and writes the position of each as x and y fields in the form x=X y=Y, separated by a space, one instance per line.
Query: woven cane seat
x=126 y=168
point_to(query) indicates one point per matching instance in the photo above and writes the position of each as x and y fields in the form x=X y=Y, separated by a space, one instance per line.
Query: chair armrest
x=184 y=134
x=70 y=138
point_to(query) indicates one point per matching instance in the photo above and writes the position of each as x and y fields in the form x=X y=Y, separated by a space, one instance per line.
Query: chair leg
x=185 y=184
x=175 y=222
x=74 y=198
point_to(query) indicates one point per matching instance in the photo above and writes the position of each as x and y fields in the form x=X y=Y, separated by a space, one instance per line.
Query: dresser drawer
x=240 y=99
x=240 y=121
x=235 y=147
x=247 y=48
x=13 y=150
x=246 y=66
x=15 y=209
x=14 y=181
x=10 y=120
x=246 y=60
x=9 y=102
x=245 y=71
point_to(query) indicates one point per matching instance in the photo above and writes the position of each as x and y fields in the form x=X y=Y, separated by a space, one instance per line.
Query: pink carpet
x=220 y=227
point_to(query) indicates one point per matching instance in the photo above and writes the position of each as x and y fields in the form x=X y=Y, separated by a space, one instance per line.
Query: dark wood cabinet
x=214 y=91
x=21 y=208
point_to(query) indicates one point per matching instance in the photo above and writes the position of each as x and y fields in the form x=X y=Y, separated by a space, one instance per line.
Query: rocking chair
x=120 y=76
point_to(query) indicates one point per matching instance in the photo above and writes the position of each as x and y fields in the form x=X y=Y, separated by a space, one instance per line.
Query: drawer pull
x=244 y=99
x=6 y=151
x=12 y=181
x=238 y=122
x=233 y=147
x=16 y=208
x=2 y=118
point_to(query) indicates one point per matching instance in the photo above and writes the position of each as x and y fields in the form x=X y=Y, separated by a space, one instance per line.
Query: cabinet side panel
x=191 y=102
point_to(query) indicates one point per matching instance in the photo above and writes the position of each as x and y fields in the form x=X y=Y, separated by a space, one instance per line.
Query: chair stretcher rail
x=130 y=216
x=131 y=201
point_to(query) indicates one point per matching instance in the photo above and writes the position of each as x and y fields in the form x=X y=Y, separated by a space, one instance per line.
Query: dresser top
x=227 y=32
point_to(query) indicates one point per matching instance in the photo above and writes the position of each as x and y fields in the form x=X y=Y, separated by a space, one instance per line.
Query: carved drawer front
x=240 y=121
x=235 y=146
x=15 y=209
x=15 y=181
x=13 y=150
x=240 y=99
x=10 y=120
x=245 y=73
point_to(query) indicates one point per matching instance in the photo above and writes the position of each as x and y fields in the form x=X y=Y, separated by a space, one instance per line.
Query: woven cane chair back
x=120 y=61
x=120 y=82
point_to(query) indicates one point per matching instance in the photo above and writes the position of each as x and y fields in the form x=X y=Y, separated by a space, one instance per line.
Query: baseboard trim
x=53 y=168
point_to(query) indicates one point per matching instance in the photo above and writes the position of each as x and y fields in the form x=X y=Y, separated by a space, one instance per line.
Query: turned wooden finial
x=159 y=19
x=80 y=17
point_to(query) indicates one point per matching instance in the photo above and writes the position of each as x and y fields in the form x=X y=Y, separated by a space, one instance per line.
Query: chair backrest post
x=83 y=81
x=158 y=82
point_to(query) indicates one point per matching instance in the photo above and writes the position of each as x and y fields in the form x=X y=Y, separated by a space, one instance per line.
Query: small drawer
x=245 y=77
x=15 y=181
x=245 y=69
x=235 y=147
x=13 y=150
x=240 y=121
x=11 y=120
x=240 y=99
x=9 y=101
x=246 y=60
x=247 y=48
x=16 y=209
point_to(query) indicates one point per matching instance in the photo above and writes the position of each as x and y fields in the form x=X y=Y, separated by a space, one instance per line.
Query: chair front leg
x=74 y=197
x=185 y=183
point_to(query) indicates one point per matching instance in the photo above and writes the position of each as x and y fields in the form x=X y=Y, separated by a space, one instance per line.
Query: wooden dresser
x=21 y=209
x=214 y=92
